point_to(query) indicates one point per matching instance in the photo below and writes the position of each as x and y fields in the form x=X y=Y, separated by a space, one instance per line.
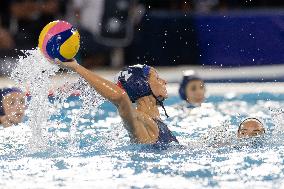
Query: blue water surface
x=100 y=155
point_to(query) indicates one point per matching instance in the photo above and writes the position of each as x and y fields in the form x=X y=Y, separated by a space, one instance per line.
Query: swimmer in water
x=192 y=89
x=250 y=127
x=139 y=84
x=220 y=136
x=12 y=106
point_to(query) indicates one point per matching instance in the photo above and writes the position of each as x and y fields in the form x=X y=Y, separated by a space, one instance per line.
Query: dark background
x=218 y=33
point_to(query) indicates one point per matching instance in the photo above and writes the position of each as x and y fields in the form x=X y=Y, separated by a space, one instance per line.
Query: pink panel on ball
x=58 y=28
x=45 y=53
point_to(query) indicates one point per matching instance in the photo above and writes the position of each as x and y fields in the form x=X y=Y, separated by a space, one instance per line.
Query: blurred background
x=208 y=33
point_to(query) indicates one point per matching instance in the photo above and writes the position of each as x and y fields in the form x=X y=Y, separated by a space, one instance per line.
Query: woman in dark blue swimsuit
x=139 y=84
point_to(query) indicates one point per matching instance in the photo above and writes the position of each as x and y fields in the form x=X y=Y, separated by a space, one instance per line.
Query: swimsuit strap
x=165 y=135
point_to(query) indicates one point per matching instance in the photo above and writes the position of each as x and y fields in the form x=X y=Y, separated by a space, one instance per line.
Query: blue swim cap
x=4 y=92
x=134 y=80
x=187 y=77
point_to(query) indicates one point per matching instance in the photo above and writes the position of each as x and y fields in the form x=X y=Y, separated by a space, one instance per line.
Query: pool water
x=99 y=155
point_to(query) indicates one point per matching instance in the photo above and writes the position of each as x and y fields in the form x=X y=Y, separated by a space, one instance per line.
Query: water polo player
x=138 y=84
x=12 y=106
x=192 y=89
x=250 y=127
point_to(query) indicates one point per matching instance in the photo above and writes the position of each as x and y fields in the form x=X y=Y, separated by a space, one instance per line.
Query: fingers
x=60 y=64
x=57 y=61
x=72 y=60
x=71 y=64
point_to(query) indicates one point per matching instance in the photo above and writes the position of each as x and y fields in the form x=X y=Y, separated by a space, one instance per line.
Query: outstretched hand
x=72 y=64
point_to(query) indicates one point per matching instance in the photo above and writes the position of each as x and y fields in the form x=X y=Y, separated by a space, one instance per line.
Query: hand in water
x=72 y=64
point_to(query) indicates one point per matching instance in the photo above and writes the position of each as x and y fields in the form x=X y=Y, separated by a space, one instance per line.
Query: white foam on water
x=278 y=120
x=127 y=166
x=90 y=99
x=130 y=168
x=34 y=72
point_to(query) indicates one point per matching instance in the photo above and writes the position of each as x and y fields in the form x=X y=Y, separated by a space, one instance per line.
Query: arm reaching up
x=106 y=88
x=141 y=122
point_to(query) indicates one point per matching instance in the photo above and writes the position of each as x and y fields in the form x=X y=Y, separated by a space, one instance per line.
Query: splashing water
x=91 y=100
x=104 y=161
x=278 y=120
x=35 y=72
x=218 y=136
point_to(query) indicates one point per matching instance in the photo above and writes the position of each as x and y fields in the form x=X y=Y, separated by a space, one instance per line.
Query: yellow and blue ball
x=59 y=39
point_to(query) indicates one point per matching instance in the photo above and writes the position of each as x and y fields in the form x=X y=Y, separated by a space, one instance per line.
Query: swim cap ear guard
x=4 y=92
x=134 y=80
x=187 y=77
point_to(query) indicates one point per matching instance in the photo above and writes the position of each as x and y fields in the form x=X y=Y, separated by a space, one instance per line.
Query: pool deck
x=219 y=81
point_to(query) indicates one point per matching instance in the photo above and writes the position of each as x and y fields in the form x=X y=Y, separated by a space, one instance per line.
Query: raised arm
x=106 y=88
x=118 y=97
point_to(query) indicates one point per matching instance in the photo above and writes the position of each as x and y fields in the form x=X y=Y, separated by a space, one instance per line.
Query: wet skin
x=140 y=121
x=14 y=109
x=157 y=84
x=250 y=128
x=195 y=92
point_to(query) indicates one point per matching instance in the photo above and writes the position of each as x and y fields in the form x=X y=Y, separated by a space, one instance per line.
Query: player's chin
x=165 y=94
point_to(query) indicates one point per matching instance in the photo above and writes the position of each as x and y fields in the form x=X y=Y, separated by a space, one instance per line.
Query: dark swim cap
x=4 y=92
x=134 y=80
x=187 y=77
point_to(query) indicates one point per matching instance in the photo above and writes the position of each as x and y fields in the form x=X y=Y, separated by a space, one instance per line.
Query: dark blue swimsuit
x=165 y=135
